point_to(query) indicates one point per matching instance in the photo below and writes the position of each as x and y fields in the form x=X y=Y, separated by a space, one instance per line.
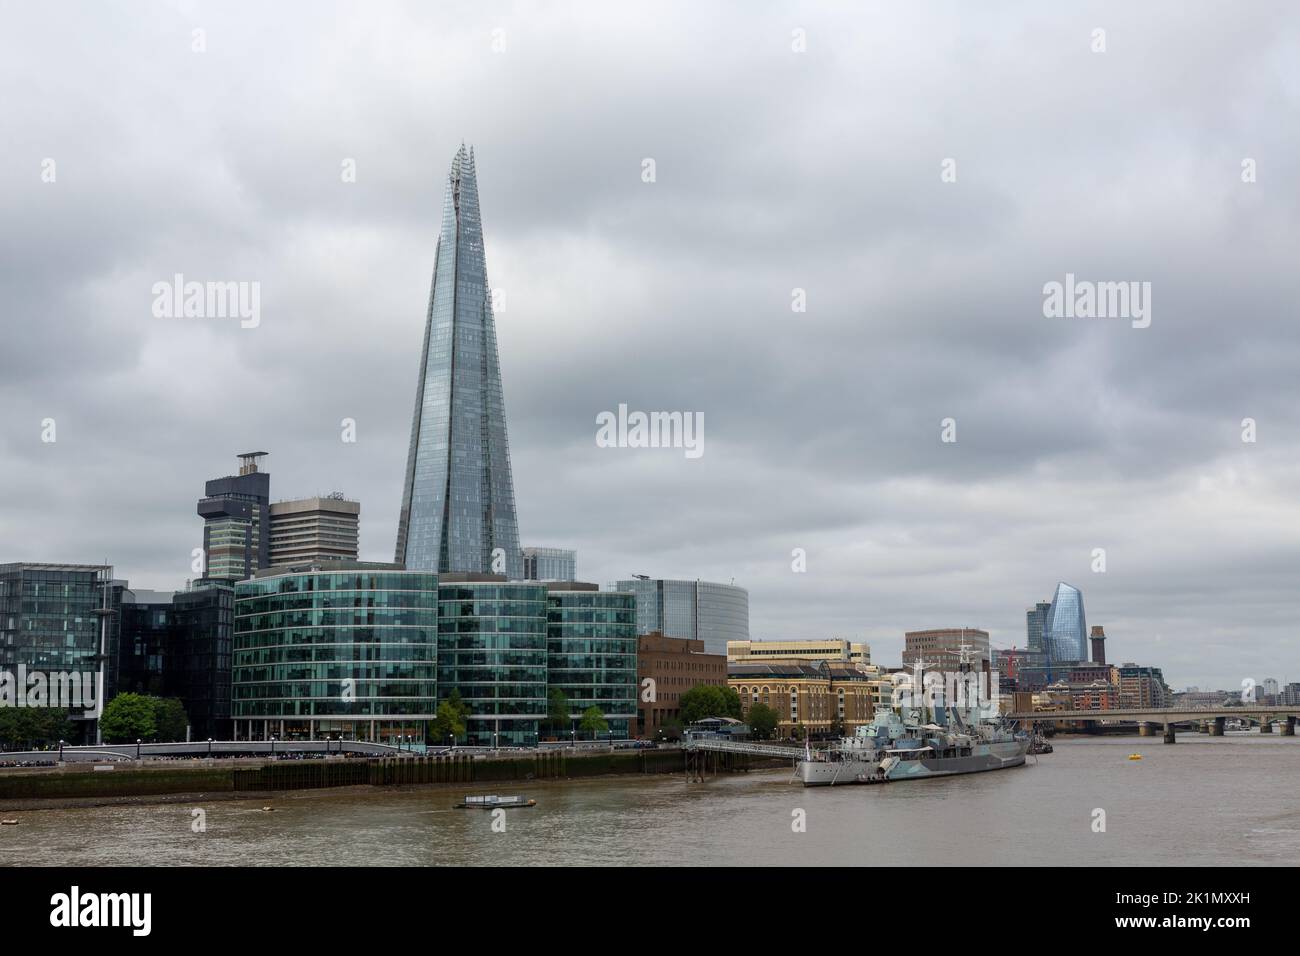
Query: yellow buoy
x=1134 y=756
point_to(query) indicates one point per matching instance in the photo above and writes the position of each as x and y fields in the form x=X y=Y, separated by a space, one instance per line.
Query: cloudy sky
x=775 y=170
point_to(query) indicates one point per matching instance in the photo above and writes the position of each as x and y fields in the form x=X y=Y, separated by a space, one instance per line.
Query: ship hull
x=986 y=757
x=828 y=773
x=997 y=756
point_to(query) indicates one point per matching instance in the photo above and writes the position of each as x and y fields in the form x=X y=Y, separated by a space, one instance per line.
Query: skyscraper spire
x=458 y=504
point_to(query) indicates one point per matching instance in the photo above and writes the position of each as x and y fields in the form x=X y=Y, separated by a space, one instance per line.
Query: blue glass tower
x=458 y=504
x=1065 y=632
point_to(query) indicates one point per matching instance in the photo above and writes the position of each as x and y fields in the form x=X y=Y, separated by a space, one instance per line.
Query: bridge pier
x=1265 y=727
x=1169 y=734
x=1288 y=729
x=1145 y=729
x=1216 y=726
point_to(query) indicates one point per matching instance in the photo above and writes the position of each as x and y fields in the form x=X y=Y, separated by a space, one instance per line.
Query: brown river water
x=1202 y=801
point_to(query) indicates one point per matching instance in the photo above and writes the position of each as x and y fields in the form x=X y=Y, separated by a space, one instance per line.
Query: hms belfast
x=914 y=744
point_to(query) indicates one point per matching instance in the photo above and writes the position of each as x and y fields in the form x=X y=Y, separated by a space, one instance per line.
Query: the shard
x=458 y=504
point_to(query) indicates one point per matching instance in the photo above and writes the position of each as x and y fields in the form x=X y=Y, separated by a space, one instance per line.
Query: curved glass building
x=1065 y=632
x=697 y=610
x=352 y=651
x=492 y=649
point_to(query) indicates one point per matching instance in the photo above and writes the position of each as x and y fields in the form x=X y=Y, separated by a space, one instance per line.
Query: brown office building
x=675 y=664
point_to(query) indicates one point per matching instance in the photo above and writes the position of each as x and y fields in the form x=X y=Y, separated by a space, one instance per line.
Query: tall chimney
x=1098 y=639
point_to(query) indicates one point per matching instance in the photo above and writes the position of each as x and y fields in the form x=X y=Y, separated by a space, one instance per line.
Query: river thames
x=1202 y=801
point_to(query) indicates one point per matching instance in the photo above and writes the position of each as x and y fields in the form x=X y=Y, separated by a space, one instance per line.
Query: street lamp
x=60 y=751
x=273 y=745
x=137 y=748
x=209 y=747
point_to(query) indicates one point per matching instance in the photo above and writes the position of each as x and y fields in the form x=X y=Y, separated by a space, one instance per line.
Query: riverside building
x=342 y=648
x=591 y=652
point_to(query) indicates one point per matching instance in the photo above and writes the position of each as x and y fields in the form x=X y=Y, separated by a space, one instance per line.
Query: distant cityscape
x=284 y=633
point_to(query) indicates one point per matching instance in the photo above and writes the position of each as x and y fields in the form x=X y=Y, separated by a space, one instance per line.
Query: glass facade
x=458 y=502
x=144 y=631
x=492 y=650
x=1035 y=622
x=698 y=610
x=591 y=654
x=550 y=564
x=353 y=651
x=1065 y=632
x=48 y=616
x=200 y=656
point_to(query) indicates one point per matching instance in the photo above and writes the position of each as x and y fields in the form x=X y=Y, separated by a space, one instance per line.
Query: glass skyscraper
x=1065 y=632
x=1035 y=621
x=458 y=503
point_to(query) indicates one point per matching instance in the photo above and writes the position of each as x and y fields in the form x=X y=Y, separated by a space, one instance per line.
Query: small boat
x=268 y=809
x=9 y=823
x=1134 y=756
x=493 y=802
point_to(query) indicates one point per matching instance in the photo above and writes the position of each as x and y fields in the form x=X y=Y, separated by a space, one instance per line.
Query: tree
x=449 y=723
x=593 y=722
x=557 y=710
x=170 y=719
x=709 y=700
x=128 y=717
x=763 y=721
x=732 y=698
x=25 y=727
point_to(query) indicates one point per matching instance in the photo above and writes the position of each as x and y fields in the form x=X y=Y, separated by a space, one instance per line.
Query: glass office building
x=350 y=649
x=1065 y=631
x=50 y=616
x=236 y=519
x=143 y=631
x=458 y=504
x=200 y=654
x=591 y=653
x=697 y=610
x=492 y=649
x=550 y=564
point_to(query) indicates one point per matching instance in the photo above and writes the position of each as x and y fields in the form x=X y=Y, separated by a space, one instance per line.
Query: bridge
x=1167 y=717
x=104 y=753
x=721 y=745
x=721 y=753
